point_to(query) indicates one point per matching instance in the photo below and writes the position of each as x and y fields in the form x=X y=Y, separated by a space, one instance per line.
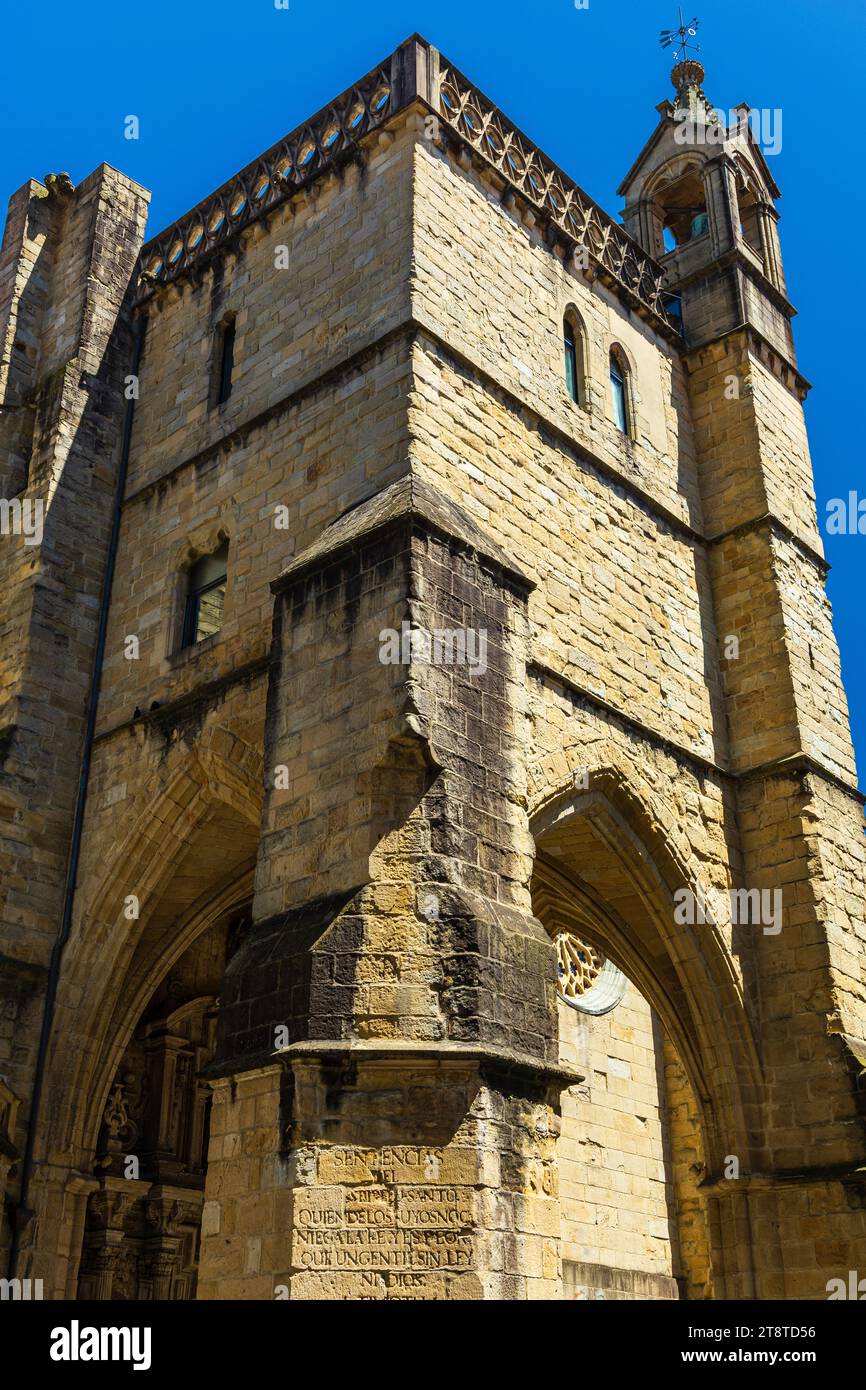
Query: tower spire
x=688 y=72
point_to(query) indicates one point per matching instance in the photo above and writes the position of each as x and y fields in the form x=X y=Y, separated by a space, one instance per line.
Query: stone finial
x=60 y=184
x=688 y=73
x=687 y=77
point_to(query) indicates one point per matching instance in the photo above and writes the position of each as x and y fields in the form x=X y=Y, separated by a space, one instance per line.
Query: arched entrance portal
x=630 y=1151
x=120 y=1160
x=143 y=1222
x=640 y=1141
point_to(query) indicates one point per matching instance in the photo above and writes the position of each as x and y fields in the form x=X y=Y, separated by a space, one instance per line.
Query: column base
x=385 y=1171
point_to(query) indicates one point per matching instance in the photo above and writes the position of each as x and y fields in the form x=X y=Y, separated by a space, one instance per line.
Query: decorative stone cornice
x=403 y=1052
x=286 y=168
x=415 y=72
x=620 y=261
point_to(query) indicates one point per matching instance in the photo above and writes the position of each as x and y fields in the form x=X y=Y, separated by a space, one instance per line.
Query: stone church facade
x=431 y=860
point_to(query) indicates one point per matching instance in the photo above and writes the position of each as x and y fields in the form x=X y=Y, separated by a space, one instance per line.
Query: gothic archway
x=609 y=860
x=188 y=861
x=143 y=1220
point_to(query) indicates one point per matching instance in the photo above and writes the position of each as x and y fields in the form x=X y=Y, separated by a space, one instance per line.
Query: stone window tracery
x=586 y=979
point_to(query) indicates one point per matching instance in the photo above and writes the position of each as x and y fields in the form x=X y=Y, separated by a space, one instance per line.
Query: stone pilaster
x=800 y=824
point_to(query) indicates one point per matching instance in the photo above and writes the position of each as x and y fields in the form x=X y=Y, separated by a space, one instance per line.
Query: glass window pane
x=570 y=371
x=210 y=611
x=617 y=388
x=570 y=366
x=206 y=593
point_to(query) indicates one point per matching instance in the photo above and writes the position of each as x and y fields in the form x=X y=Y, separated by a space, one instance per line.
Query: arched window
x=573 y=345
x=748 y=200
x=680 y=208
x=619 y=391
x=205 y=596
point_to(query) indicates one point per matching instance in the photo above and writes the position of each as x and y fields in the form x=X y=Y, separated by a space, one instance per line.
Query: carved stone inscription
x=387 y=1225
x=383 y=1250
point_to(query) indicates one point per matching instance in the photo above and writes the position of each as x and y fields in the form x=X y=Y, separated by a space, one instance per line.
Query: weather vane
x=681 y=37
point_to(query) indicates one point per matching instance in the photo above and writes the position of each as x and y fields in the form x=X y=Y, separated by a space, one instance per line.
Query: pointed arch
x=190 y=855
x=610 y=860
x=622 y=399
x=576 y=353
x=677 y=195
x=752 y=199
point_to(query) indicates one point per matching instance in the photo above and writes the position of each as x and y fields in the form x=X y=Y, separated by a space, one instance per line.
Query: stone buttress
x=388 y=1041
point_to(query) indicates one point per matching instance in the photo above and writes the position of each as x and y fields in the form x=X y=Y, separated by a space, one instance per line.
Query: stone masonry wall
x=614 y=1151
x=414 y=339
x=68 y=259
x=392 y=948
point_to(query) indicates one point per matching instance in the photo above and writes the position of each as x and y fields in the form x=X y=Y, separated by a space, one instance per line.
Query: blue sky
x=215 y=83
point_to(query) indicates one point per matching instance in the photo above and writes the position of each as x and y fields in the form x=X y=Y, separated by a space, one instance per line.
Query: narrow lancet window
x=570 y=343
x=226 y=361
x=619 y=392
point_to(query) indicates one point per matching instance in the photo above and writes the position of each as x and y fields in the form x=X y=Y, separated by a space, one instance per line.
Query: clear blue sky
x=213 y=83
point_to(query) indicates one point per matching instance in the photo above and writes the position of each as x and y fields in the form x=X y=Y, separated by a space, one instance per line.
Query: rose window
x=579 y=965
x=587 y=980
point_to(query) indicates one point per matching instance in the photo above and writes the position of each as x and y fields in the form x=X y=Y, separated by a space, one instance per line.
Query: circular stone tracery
x=586 y=979
x=579 y=965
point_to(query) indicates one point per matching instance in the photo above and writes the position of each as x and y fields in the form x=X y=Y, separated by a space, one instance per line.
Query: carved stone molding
x=288 y=166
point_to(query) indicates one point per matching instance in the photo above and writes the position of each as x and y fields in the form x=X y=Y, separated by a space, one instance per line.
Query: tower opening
x=682 y=211
x=749 y=210
x=143 y=1222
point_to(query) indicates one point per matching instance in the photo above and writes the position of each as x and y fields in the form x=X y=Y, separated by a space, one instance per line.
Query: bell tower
x=702 y=199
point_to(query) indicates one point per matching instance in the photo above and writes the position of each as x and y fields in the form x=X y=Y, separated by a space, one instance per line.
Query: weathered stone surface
x=321 y=863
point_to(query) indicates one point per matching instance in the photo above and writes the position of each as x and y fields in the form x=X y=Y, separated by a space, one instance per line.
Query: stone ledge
x=402 y=1052
x=586 y=1282
x=786 y=1178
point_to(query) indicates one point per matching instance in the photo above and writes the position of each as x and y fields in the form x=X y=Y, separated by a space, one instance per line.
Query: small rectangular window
x=206 y=591
x=226 y=361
